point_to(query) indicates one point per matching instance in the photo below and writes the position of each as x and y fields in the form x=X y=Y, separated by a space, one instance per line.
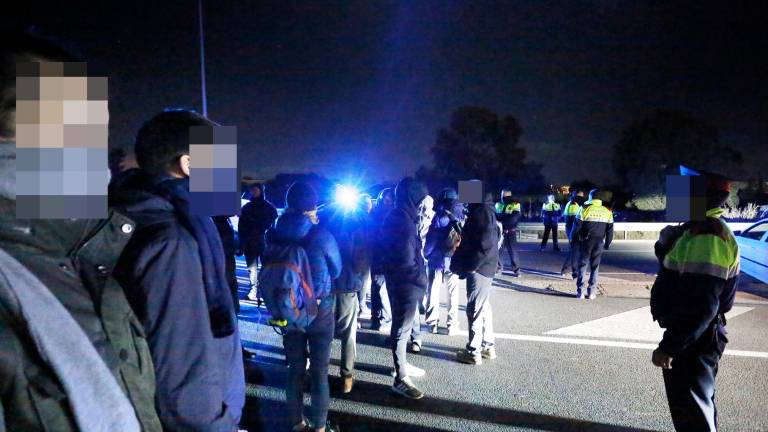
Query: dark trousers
x=380 y=309
x=510 y=244
x=315 y=344
x=405 y=312
x=590 y=251
x=549 y=226
x=690 y=386
x=572 y=258
x=230 y=268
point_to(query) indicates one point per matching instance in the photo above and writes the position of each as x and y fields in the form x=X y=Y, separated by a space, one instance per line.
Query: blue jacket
x=200 y=378
x=322 y=249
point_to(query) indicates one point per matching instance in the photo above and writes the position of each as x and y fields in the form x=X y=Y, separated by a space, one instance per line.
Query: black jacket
x=478 y=250
x=401 y=248
x=200 y=380
x=594 y=222
x=256 y=218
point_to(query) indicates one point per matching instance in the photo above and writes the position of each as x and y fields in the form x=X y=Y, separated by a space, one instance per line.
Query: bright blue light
x=347 y=197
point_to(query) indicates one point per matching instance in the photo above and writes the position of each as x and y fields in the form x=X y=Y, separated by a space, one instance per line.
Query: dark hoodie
x=402 y=259
x=200 y=380
x=255 y=219
x=478 y=250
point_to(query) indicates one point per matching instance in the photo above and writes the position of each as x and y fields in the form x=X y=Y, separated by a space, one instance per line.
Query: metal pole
x=202 y=57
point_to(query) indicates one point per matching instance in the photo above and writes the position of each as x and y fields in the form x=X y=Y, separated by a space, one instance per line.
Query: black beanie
x=302 y=197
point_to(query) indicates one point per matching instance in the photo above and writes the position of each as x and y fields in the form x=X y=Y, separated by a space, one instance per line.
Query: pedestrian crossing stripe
x=635 y=325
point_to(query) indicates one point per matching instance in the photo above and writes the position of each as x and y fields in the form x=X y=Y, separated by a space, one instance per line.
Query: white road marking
x=636 y=324
x=609 y=343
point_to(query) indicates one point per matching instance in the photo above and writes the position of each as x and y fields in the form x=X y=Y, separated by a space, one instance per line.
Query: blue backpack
x=285 y=283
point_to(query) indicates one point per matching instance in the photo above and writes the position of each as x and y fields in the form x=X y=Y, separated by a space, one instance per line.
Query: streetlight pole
x=202 y=57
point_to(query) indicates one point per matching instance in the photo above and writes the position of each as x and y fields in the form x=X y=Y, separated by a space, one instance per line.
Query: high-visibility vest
x=553 y=207
x=595 y=212
x=508 y=208
x=707 y=254
x=571 y=208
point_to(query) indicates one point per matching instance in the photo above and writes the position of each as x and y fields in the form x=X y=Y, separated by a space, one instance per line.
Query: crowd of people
x=130 y=322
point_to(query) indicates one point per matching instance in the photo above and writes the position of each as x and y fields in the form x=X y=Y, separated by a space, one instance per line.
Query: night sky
x=360 y=87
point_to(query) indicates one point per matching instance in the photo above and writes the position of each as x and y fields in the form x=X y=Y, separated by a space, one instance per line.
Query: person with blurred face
x=73 y=356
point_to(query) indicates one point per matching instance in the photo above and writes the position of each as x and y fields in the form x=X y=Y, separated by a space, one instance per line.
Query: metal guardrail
x=621 y=230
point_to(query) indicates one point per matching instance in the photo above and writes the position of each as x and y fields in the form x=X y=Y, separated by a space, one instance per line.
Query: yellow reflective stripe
x=571 y=209
x=596 y=213
x=705 y=254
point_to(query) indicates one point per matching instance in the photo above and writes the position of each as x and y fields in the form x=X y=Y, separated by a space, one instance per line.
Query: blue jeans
x=315 y=344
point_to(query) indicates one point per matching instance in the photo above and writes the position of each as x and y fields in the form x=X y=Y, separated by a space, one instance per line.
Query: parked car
x=753 y=247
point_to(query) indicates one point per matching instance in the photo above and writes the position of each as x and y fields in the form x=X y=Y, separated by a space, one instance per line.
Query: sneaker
x=405 y=388
x=580 y=296
x=434 y=329
x=464 y=356
x=489 y=353
x=411 y=370
x=562 y=273
x=453 y=330
x=347 y=383
x=592 y=296
x=574 y=275
x=516 y=274
x=416 y=347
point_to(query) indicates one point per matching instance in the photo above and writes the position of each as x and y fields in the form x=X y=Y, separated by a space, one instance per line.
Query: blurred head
x=162 y=144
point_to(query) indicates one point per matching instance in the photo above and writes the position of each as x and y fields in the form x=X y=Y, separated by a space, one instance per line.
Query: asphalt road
x=559 y=368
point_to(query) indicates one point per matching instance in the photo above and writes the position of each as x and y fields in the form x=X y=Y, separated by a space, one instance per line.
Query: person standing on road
x=406 y=276
x=570 y=211
x=508 y=213
x=695 y=288
x=443 y=238
x=366 y=206
x=475 y=260
x=550 y=215
x=593 y=230
x=299 y=225
x=255 y=219
x=381 y=313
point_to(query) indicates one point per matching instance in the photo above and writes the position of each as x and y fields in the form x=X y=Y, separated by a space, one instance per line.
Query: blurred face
x=256 y=193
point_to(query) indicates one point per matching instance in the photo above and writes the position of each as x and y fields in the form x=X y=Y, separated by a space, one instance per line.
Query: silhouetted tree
x=480 y=144
x=651 y=148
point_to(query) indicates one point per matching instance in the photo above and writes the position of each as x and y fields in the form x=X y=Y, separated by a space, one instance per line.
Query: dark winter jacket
x=74 y=260
x=227 y=235
x=256 y=218
x=322 y=249
x=351 y=233
x=200 y=380
x=449 y=215
x=478 y=251
x=401 y=248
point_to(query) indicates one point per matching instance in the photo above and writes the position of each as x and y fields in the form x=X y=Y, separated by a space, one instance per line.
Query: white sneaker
x=592 y=296
x=412 y=371
x=252 y=294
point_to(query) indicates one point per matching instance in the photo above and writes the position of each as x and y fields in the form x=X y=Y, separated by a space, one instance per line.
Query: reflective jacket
x=550 y=212
x=593 y=221
x=696 y=285
x=570 y=211
x=508 y=215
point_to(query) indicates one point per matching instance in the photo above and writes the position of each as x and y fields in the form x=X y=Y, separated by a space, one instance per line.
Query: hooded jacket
x=478 y=251
x=255 y=219
x=401 y=247
x=200 y=379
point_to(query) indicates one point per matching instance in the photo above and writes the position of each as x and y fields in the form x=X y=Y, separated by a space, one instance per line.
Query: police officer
x=550 y=213
x=570 y=211
x=508 y=213
x=694 y=289
x=592 y=228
